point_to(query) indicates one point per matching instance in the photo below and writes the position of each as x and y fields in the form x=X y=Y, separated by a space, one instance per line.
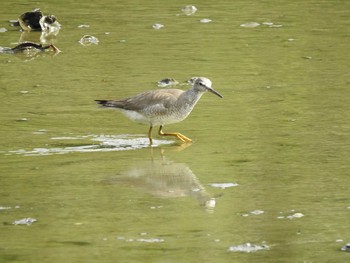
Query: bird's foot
x=178 y=135
x=182 y=137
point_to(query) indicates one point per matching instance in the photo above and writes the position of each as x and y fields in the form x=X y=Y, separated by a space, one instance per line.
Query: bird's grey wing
x=157 y=101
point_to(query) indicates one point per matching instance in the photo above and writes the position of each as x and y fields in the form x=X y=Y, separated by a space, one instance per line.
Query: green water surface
x=281 y=133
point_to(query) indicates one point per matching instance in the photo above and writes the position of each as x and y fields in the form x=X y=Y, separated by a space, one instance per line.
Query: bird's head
x=204 y=84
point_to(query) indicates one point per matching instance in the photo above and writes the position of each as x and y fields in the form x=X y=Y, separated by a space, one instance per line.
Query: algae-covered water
x=267 y=173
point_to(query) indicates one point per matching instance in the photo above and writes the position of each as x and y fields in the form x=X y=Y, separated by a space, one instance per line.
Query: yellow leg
x=180 y=136
x=150 y=135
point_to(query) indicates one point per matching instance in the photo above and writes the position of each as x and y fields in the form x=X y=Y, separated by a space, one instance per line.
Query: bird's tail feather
x=102 y=102
x=109 y=103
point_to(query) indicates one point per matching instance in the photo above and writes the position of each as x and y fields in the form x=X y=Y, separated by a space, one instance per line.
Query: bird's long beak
x=214 y=91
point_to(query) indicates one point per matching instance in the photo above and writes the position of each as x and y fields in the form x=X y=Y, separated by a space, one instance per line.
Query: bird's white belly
x=135 y=116
x=153 y=120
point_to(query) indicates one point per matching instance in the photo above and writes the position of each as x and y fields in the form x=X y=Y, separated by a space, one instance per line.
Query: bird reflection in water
x=29 y=50
x=164 y=178
x=42 y=37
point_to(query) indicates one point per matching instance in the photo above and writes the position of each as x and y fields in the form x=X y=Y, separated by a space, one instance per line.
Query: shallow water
x=269 y=163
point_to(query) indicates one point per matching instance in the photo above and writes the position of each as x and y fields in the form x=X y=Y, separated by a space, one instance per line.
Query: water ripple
x=106 y=143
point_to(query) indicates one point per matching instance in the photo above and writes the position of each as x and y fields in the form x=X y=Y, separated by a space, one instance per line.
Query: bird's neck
x=190 y=97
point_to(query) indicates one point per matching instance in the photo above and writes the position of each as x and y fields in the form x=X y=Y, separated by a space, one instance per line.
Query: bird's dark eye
x=201 y=83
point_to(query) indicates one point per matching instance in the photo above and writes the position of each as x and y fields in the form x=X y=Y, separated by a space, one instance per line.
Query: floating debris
x=83 y=26
x=205 y=20
x=40 y=132
x=3 y=30
x=167 y=82
x=223 y=185
x=189 y=10
x=22 y=119
x=292 y=216
x=295 y=215
x=88 y=40
x=210 y=204
x=71 y=137
x=346 y=248
x=256 y=24
x=24 y=221
x=267 y=23
x=157 y=26
x=156 y=207
x=276 y=26
x=254 y=212
x=250 y=24
x=192 y=80
x=5 y=207
x=146 y=240
x=257 y=212
x=150 y=240
x=307 y=57
x=248 y=248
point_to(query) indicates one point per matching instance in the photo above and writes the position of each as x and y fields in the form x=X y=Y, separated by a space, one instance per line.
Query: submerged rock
x=167 y=82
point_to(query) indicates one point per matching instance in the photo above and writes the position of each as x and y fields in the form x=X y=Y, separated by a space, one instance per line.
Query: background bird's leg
x=150 y=135
x=180 y=136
